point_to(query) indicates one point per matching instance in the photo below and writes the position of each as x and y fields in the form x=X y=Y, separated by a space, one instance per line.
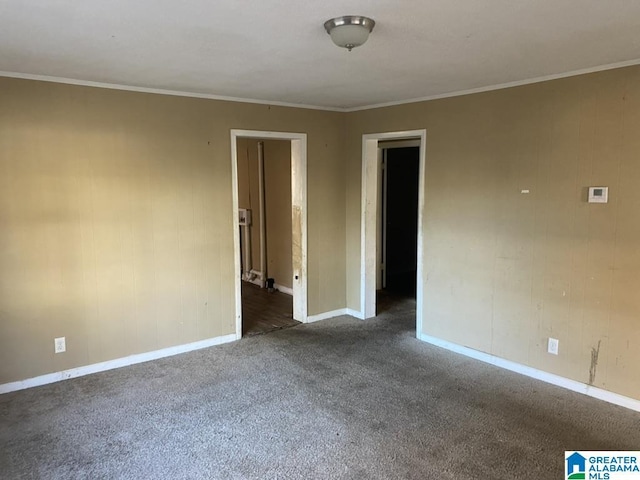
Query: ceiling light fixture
x=349 y=31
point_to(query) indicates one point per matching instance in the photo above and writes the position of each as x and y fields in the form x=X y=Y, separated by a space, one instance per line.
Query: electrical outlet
x=60 y=344
x=553 y=346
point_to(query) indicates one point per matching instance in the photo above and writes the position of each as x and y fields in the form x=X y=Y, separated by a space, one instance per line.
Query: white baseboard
x=255 y=281
x=283 y=289
x=557 y=380
x=327 y=315
x=111 y=364
x=334 y=313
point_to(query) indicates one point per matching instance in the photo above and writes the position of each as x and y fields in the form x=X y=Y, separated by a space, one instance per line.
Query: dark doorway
x=400 y=219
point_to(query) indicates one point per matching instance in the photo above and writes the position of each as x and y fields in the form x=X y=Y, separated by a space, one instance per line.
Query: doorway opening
x=392 y=246
x=397 y=243
x=270 y=248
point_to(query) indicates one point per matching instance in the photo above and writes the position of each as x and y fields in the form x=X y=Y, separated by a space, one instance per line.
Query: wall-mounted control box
x=244 y=216
x=598 y=194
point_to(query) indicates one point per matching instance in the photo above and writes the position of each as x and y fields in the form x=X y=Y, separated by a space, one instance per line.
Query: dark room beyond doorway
x=400 y=220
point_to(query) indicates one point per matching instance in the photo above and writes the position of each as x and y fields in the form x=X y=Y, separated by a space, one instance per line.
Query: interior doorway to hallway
x=373 y=245
x=270 y=268
x=398 y=218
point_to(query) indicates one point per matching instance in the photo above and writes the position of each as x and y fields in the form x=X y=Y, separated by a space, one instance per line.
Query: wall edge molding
x=498 y=86
x=113 y=364
x=557 y=380
x=336 y=313
x=283 y=289
x=210 y=96
x=355 y=313
x=253 y=281
x=162 y=91
x=326 y=315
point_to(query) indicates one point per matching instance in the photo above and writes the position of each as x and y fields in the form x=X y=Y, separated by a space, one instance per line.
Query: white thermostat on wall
x=598 y=194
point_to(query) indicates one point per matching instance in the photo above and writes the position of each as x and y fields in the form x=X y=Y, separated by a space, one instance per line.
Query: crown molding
x=499 y=86
x=160 y=91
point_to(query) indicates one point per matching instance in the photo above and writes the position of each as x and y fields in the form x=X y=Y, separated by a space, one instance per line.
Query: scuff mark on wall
x=595 y=352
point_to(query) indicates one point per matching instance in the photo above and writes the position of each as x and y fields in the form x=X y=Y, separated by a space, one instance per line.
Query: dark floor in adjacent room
x=337 y=399
x=264 y=311
x=397 y=303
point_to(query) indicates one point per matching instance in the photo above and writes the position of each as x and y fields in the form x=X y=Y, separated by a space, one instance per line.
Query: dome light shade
x=349 y=31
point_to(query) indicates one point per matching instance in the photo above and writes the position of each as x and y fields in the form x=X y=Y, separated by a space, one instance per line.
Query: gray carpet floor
x=341 y=399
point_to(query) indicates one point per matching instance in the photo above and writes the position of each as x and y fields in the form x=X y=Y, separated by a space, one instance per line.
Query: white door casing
x=298 y=218
x=369 y=232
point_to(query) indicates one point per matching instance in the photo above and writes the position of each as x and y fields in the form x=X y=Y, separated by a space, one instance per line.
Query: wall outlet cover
x=60 y=344
x=553 y=346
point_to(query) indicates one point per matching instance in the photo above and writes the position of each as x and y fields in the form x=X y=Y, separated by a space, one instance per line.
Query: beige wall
x=116 y=220
x=277 y=178
x=504 y=271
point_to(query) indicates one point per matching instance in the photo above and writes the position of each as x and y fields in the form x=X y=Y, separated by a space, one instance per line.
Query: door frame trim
x=368 y=227
x=298 y=217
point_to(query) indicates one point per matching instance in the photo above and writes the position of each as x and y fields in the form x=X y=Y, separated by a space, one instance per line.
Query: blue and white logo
x=576 y=466
x=605 y=465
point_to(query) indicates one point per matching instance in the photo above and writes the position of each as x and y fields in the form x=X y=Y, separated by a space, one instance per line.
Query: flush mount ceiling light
x=349 y=31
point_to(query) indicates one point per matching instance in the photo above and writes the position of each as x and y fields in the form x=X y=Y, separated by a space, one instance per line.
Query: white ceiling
x=277 y=50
